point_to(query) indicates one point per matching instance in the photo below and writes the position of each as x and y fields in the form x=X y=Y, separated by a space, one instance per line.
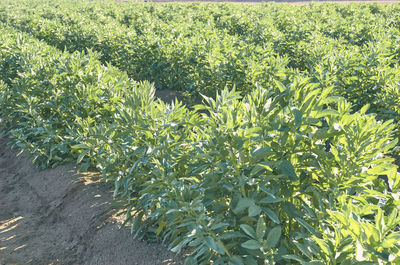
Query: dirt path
x=57 y=216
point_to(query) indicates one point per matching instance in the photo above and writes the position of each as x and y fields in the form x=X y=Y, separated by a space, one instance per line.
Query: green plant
x=251 y=180
x=286 y=161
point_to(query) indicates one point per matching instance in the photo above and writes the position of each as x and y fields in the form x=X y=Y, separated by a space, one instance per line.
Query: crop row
x=286 y=174
x=202 y=50
x=191 y=58
x=197 y=49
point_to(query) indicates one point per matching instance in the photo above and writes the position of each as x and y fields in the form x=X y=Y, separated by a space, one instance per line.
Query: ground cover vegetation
x=288 y=160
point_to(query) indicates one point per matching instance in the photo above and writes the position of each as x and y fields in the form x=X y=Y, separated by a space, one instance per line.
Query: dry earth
x=57 y=216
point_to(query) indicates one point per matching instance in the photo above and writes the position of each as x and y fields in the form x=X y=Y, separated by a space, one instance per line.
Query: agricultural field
x=281 y=147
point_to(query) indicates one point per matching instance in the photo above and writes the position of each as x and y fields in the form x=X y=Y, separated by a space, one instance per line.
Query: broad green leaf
x=231 y=235
x=260 y=153
x=305 y=225
x=304 y=249
x=287 y=169
x=243 y=203
x=297 y=116
x=327 y=112
x=236 y=260
x=391 y=240
x=217 y=246
x=218 y=226
x=273 y=237
x=271 y=214
x=248 y=230
x=254 y=210
x=81 y=156
x=270 y=199
x=251 y=244
x=323 y=245
x=261 y=228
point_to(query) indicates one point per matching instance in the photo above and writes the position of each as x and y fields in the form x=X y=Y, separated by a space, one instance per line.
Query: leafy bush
x=273 y=177
x=53 y=92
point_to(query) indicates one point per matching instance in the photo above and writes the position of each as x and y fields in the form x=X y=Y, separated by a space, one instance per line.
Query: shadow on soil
x=57 y=216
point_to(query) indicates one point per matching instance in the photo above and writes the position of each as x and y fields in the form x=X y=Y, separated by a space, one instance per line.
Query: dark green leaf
x=273 y=237
x=251 y=244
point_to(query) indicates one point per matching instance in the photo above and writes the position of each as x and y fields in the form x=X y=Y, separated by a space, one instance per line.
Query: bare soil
x=57 y=216
x=169 y=95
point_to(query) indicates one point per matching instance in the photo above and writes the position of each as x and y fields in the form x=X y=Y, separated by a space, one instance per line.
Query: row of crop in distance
x=203 y=48
x=192 y=58
x=284 y=175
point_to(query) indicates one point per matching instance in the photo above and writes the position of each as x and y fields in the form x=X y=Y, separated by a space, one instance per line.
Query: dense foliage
x=197 y=49
x=286 y=161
